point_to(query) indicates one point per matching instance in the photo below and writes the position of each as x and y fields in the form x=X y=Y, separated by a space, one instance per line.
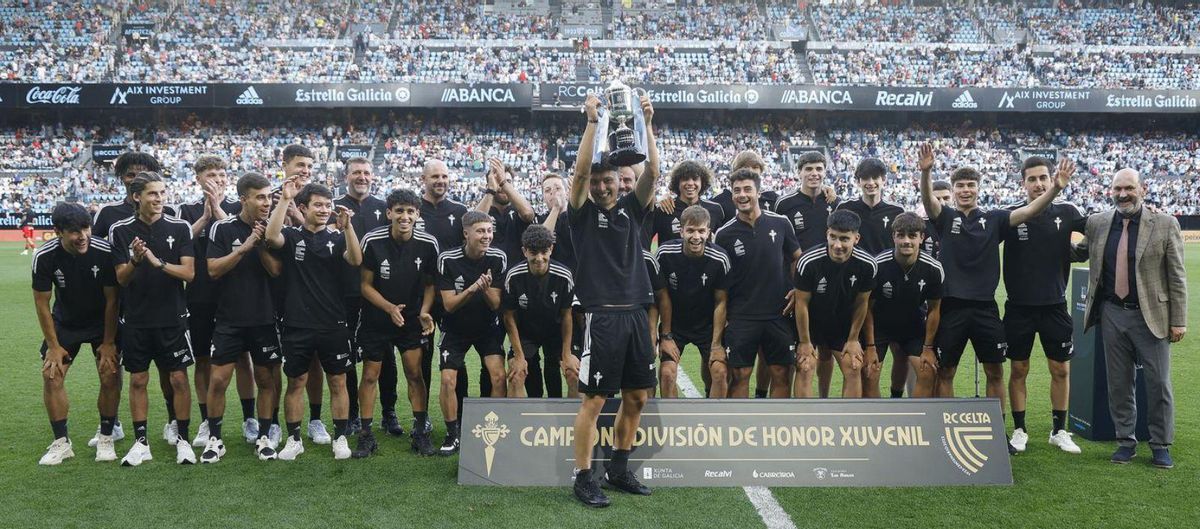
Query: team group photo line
x=285 y=289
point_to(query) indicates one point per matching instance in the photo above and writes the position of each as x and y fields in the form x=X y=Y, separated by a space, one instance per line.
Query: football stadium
x=660 y=263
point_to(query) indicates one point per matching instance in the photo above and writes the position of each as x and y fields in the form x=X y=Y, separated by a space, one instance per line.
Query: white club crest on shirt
x=1058 y=223
x=703 y=279
x=330 y=245
x=885 y=221
x=417 y=262
x=171 y=242
x=95 y=271
x=853 y=279
x=921 y=285
x=597 y=377
x=378 y=214
x=451 y=217
x=772 y=233
x=983 y=223
x=554 y=297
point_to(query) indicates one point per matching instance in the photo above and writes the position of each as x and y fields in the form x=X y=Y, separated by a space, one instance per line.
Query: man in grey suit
x=1138 y=290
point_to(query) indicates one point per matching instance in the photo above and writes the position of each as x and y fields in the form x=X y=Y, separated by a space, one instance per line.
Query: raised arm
x=287 y=193
x=644 y=187
x=583 y=159
x=933 y=208
x=1066 y=168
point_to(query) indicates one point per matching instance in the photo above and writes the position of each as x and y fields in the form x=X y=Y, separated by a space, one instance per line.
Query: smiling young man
x=689 y=180
x=397 y=283
x=1037 y=262
x=906 y=305
x=245 y=314
x=833 y=289
x=970 y=254
x=614 y=290
x=154 y=258
x=468 y=282
x=78 y=269
x=694 y=271
x=536 y=306
x=314 y=318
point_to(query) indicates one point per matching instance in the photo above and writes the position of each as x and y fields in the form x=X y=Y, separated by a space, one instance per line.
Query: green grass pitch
x=398 y=489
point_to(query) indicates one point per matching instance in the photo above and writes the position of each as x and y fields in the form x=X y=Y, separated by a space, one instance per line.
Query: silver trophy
x=623 y=101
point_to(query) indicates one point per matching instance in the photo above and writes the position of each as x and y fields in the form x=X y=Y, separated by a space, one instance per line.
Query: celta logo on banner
x=478 y=95
x=63 y=95
x=816 y=97
x=886 y=98
x=960 y=441
x=249 y=97
x=580 y=91
x=490 y=432
x=965 y=101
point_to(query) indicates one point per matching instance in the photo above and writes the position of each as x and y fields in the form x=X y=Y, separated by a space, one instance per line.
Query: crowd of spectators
x=743 y=63
x=419 y=64
x=1130 y=25
x=927 y=65
x=1118 y=69
x=699 y=21
x=892 y=23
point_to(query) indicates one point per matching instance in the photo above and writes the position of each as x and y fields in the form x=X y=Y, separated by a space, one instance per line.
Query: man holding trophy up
x=612 y=285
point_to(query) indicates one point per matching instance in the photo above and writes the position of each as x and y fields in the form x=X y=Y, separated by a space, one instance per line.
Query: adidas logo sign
x=965 y=101
x=249 y=97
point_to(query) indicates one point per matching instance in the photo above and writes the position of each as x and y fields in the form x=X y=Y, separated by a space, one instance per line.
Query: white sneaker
x=117 y=435
x=275 y=434
x=264 y=449
x=341 y=448
x=137 y=455
x=202 y=434
x=57 y=452
x=214 y=450
x=170 y=432
x=318 y=433
x=1019 y=439
x=184 y=455
x=105 y=449
x=1062 y=439
x=250 y=430
x=292 y=449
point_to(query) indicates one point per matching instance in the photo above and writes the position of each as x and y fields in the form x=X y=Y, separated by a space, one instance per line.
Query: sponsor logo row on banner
x=551 y=96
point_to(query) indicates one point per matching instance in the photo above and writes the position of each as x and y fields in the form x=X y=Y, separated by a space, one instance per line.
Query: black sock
x=314 y=412
x=352 y=391
x=247 y=409
x=139 y=432
x=451 y=429
x=294 y=430
x=106 y=425
x=1019 y=419
x=1060 y=421
x=214 y=426
x=618 y=463
x=275 y=416
x=419 y=418
x=182 y=426
x=170 y=407
x=897 y=393
x=264 y=427
x=365 y=423
x=760 y=393
x=203 y=410
x=339 y=427
x=59 y=428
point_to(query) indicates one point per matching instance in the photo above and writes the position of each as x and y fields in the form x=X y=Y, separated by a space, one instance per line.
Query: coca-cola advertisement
x=62 y=95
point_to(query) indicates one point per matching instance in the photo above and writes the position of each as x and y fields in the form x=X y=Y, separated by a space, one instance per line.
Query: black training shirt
x=200 y=290
x=538 y=301
x=1037 y=255
x=244 y=293
x=608 y=249
x=760 y=259
x=809 y=216
x=900 y=294
x=970 y=251
x=443 y=221
x=457 y=272
x=152 y=298
x=78 y=281
x=402 y=270
x=110 y=214
x=691 y=283
x=311 y=299
x=834 y=287
x=876 y=231
x=369 y=214
x=666 y=226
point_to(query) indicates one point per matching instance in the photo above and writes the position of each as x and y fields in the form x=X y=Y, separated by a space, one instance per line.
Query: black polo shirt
x=538 y=301
x=244 y=293
x=834 y=287
x=152 y=298
x=78 y=281
x=369 y=214
x=766 y=201
x=760 y=259
x=507 y=235
x=900 y=294
x=110 y=214
x=809 y=216
x=932 y=245
x=608 y=251
x=443 y=221
x=310 y=259
x=970 y=251
x=876 y=231
x=691 y=283
x=564 y=249
x=402 y=270
x=200 y=291
x=1037 y=255
x=457 y=271
x=1108 y=278
x=666 y=226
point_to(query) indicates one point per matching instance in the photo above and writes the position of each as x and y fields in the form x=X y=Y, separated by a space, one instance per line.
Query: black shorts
x=353 y=319
x=73 y=339
x=330 y=346
x=1051 y=322
x=776 y=338
x=454 y=347
x=375 y=344
x=230 y=343
x=617 y=353
x=977 y=321
x=552 y=346
x=701 y=339
x=168 y=347
x=201 y=324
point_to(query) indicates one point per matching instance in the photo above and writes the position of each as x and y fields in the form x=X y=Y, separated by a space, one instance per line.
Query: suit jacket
x=1161 y=278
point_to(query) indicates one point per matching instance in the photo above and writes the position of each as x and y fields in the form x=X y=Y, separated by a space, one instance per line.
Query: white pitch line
x=768 y=507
